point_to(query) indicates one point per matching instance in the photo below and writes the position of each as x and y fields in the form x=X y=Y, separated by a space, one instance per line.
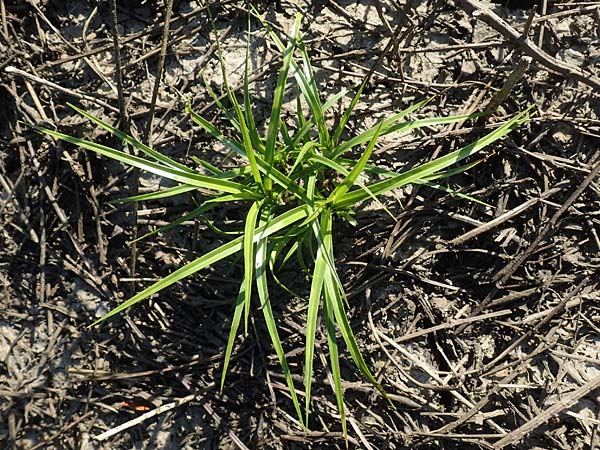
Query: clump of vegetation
x=284 y=181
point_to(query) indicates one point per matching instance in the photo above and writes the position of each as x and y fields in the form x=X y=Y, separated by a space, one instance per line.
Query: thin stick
x=50 y=84
x=523 y=365
x=126 y=123
x=503 y=218
x=507 y=272
x=146 y=139
x=452 y=324
x=529 y=22
x=424 y=367
x=10 y=191
x=4 y=26
x=501 y=26
x=541 y=418
x=93 y=65
x=119 y=69
x=543 y=13
x=129 y=38
x=509 y=84
x=143 y=417
x=161 y=64
x=62 y=431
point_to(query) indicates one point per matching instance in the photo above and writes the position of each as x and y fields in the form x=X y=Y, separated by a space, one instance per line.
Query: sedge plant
x=283 y=179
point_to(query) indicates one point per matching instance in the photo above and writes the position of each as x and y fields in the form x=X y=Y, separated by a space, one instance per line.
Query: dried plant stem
x=125 y=121
x=484 y=13
x=159 y=71
x=119 y=69
x=509 y=84
x=161 y=65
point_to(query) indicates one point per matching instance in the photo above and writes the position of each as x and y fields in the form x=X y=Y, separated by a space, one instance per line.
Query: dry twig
x=518 y=434
x=501 y=26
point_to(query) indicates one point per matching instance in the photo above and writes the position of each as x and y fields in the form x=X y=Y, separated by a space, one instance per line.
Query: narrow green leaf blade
x=163 y=193
x=451 y=191
x=334 y=359
x=273 y=129
x=246 y=139
x=425 y=170
x=301 y=154
x=273 y=226
x=263 y=294
x=346 y=116
x=254 y=137
x=214 y=131
x=189 y=216
x=235 y=324
x=314 y=301
x=186 y=177
x=391 y=125
x=308 y=86
x=232 y=120
x=249 y=228
x=348 y=182
x=333 y=289
x=268 y=169
x=133 y=142
x=346 y=331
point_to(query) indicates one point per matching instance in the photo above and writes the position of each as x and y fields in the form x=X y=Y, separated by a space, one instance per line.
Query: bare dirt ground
x=481 y=322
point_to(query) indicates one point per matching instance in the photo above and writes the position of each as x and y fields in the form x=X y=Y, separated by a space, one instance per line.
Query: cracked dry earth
x=481 y=320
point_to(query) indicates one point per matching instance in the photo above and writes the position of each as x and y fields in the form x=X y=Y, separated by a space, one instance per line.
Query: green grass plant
x=283 y=181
